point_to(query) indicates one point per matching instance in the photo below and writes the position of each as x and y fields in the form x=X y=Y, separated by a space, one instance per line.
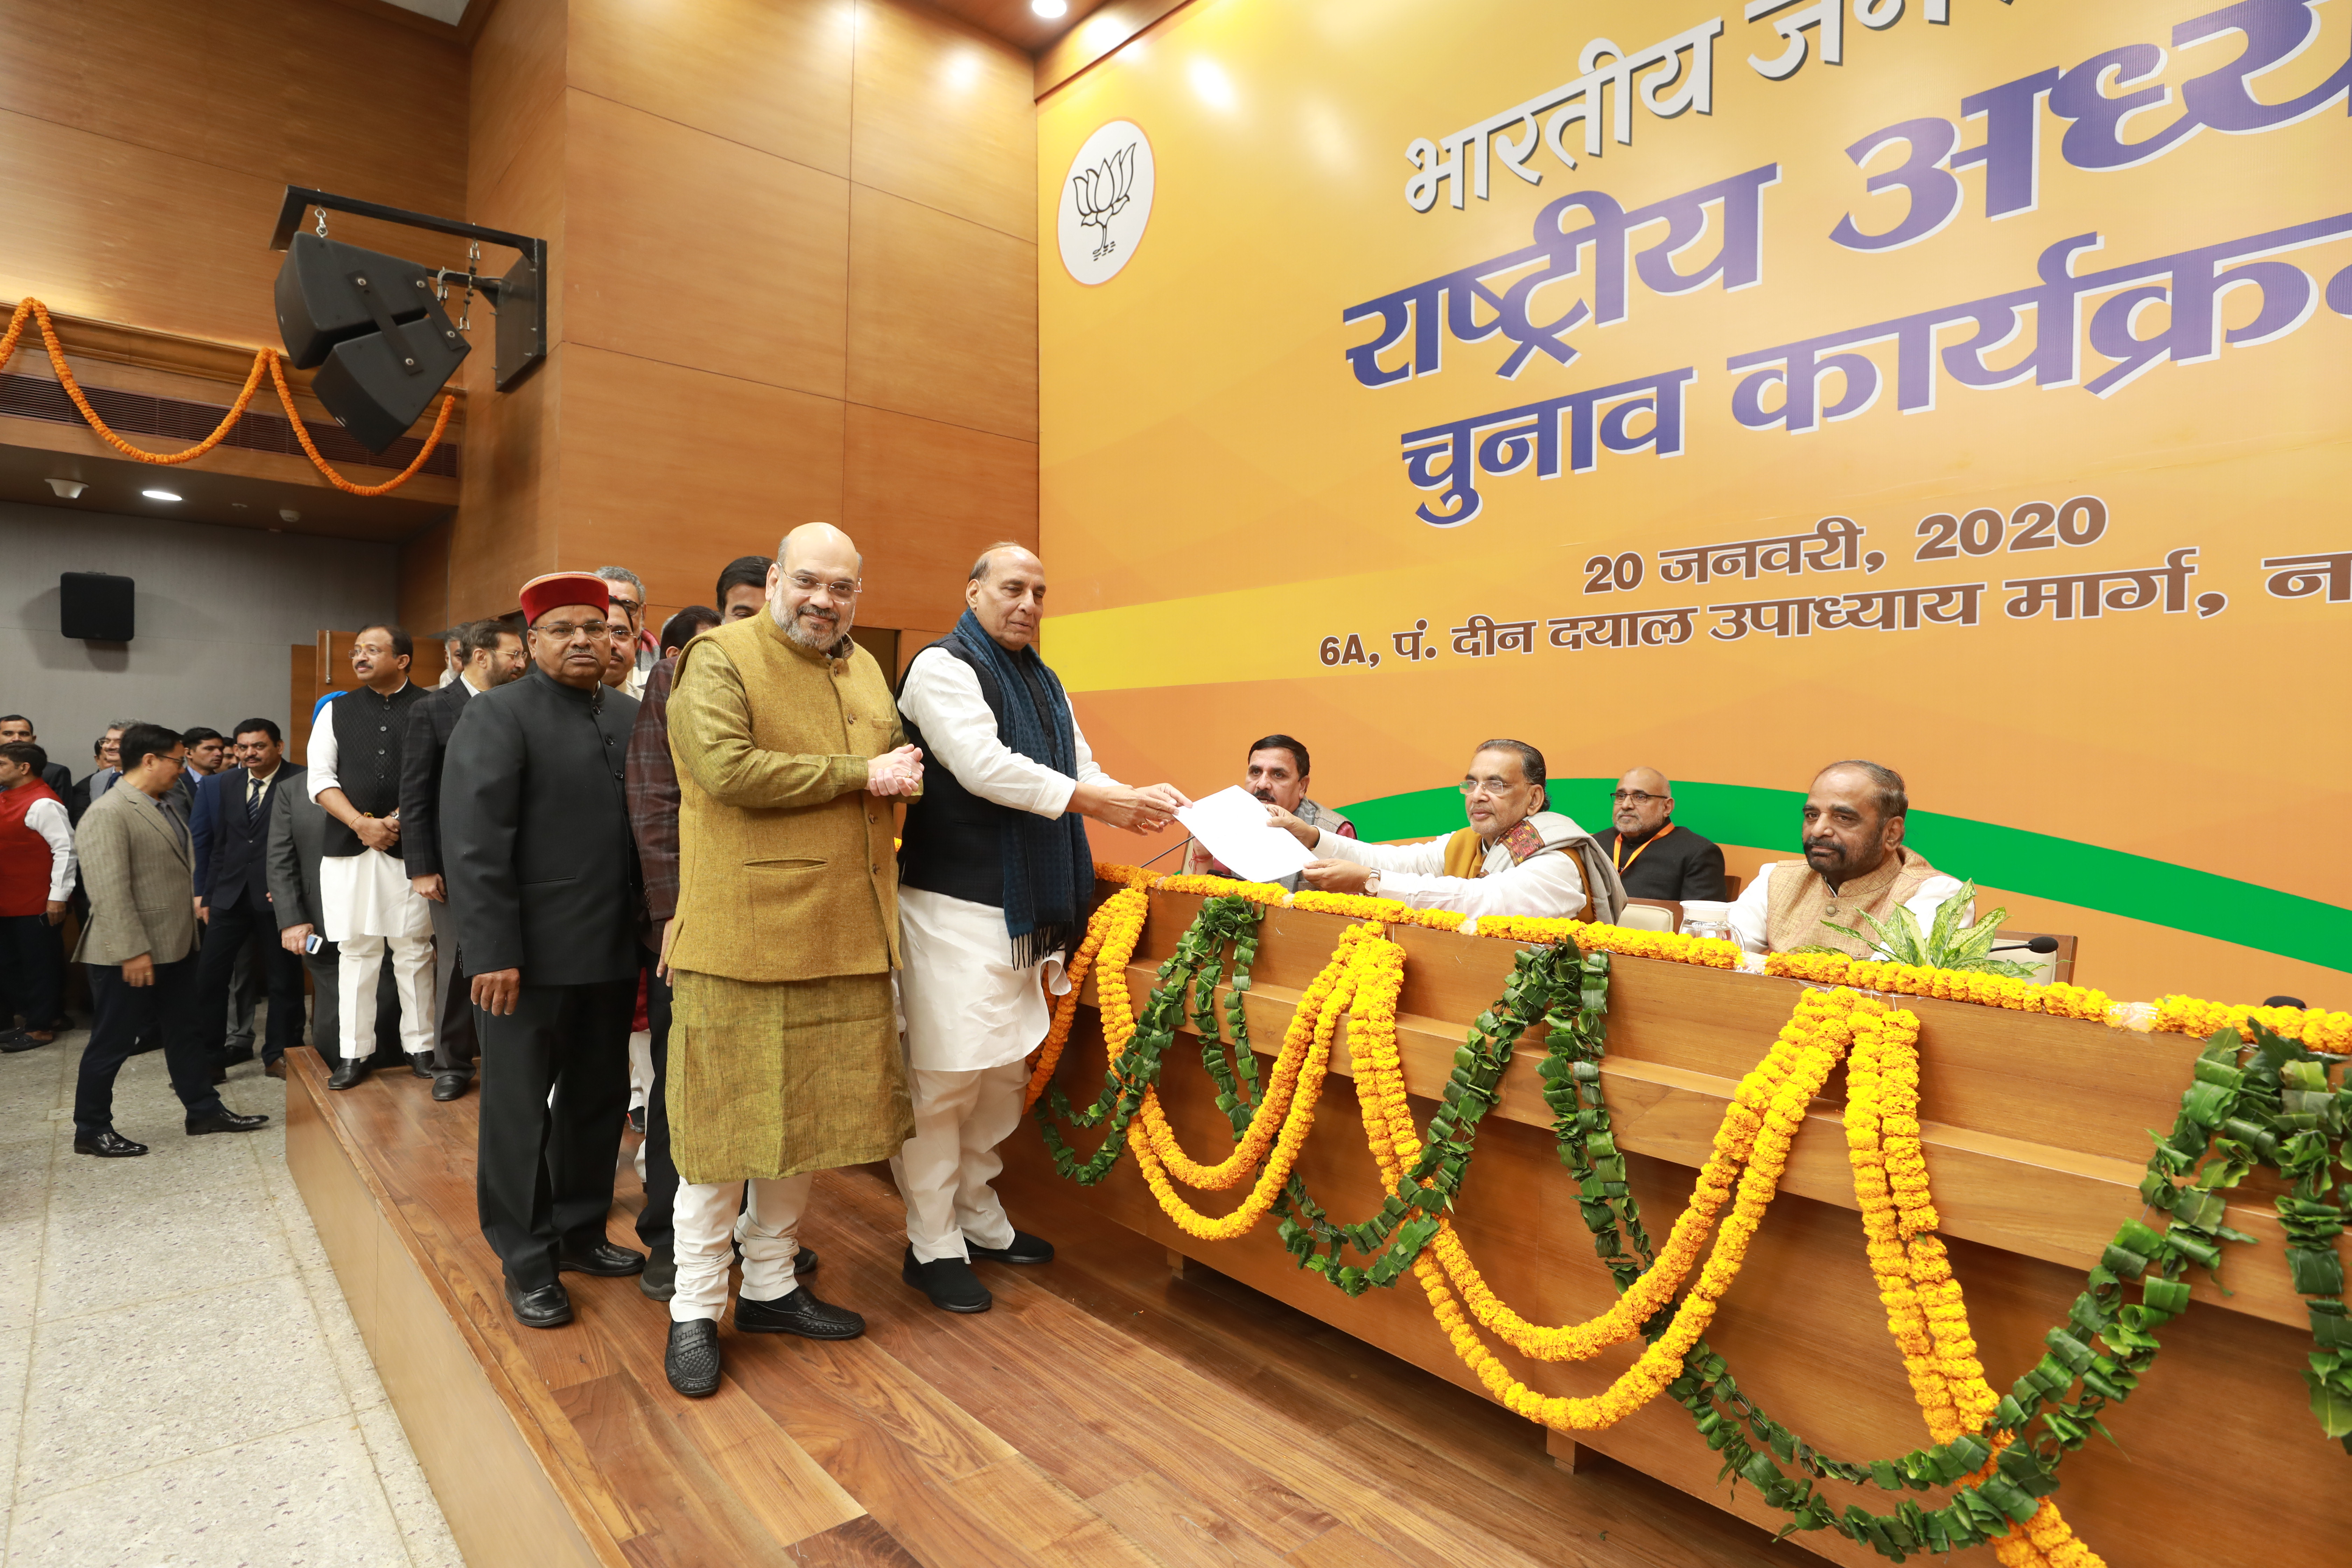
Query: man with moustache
x=1655 y=856
x=17 y=730
x=493 y=655
x=743 y=588
x=231 y=830
x=1276 y=773
x=999 y=880
x=542 y=877
x=783 y=1056
x=368 y=901
x=1855 y=864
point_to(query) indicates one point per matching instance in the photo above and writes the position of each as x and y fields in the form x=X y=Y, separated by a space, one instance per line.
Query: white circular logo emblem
x=1105 y=202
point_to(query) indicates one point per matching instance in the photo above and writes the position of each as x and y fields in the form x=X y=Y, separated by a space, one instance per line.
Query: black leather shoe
x=225 y=1120
x=799 y=1314
x=350 y=1073
x=421 y=1064
x=17 y=1040
x=602 y=1259
x=548 y=1306
x=220 y=1075
x=1026 y=1249
x=238 y=1056
x=659 y=1280
x=692 y=1360
x=449 y=1086
x=805 y=1261
x=949 y=1282
x=107 y=1144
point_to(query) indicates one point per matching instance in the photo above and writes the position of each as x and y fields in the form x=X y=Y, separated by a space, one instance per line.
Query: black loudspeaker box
x=94 y=607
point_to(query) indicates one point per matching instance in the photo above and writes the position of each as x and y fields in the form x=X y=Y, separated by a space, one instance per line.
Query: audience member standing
x=628 y=599
x=743 y=588
x=453 y=655
x=105 y=768
x=231 y=830
x=139 y=865
x=368 y=904
x=543 y=877
x=298 y=834
x=37 y=879
x=16 y=729
x=493 y=657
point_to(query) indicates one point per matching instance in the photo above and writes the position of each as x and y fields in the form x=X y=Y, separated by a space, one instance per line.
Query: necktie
x=253 y=787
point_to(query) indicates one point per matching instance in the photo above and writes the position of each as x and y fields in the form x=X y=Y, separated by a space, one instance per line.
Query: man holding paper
x=995 y=879
x=1275 y=774
x=1516 y=858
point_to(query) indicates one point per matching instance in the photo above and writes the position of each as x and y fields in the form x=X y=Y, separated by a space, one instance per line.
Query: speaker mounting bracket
x=518 y=298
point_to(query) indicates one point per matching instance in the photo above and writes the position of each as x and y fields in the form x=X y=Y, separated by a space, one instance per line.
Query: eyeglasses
x=565 y=631
x=629 y=605
x=840 y=589
x=1485 y=786
x=1635 y=797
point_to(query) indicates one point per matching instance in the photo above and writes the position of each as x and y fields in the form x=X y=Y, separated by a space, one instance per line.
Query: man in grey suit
x=298 y=836
x=139 y=866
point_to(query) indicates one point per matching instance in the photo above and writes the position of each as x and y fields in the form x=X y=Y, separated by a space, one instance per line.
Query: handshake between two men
x=900 y=773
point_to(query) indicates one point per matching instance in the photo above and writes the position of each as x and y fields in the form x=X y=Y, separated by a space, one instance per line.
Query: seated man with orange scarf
x=1516 y=858
x=1854 y=863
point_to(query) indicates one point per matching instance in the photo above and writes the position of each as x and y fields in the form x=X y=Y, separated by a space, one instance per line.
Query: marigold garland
x=1121 y=915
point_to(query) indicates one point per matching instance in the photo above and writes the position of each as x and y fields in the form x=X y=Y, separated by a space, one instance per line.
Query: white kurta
x=968 y=1008
x=1546 y=885
x=1752 y=916
x=366 y=894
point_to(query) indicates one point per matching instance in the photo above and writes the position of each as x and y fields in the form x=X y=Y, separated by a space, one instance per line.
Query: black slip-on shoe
x=602 y=1259
x=797 y=1313
x=350 y=1073
x=692 y=1362
x=659 y=1280
x=238 y=1056
x=421 y=1064
x=225 y=1120
x=107 y=1144
x=949 y=1282
x=17 y=1040
x=1026 y=1249
x=548 y=1306
x=448 y=1086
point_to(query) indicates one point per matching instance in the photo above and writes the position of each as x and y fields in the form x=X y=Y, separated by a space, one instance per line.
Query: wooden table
x=2035 y=1131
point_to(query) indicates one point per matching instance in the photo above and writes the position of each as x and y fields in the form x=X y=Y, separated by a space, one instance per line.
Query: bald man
x=998 y=879
x=1657 y=858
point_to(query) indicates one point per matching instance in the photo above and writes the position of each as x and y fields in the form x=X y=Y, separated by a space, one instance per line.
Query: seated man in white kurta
x=1855 y=864
x=994 y=883
x=1516 y=858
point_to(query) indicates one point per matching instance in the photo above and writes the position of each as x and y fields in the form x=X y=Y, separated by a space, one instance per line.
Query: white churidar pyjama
x=705 y=1217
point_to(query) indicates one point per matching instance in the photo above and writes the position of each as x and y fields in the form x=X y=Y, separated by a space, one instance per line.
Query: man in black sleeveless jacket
x=367 y=903
x=995 y=881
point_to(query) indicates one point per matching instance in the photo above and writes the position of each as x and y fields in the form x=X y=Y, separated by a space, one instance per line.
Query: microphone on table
x=2037 y=944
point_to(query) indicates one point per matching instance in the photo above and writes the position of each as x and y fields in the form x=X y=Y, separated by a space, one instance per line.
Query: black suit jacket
x=232 y=855
x=59 y=778
x=534 y=831
x=423 y=751
x=1679 y=865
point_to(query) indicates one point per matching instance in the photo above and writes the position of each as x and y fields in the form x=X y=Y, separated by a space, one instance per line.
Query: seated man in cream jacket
x=1513 y=858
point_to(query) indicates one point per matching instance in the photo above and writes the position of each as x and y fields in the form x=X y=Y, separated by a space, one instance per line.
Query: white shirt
x=323 y=751
x=1751 y=915
x=47 y=818
x=942 y=699
x=1543 y=885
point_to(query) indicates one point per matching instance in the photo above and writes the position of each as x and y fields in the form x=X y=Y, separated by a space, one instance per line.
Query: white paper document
x=1231 y=825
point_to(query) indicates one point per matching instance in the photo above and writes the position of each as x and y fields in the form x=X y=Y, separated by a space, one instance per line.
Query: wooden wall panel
x=504 y=533
x=674 y=472
x=424 y=603
x=695 y=250
x=517 y=79
x=942 y=317
x=773 y=75
x=944 y=117
x=922 y=501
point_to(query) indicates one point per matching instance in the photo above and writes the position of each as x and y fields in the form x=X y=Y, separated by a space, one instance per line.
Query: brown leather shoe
x=274 y=1069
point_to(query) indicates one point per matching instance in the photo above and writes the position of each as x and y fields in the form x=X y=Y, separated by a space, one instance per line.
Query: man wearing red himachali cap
x=543 y=880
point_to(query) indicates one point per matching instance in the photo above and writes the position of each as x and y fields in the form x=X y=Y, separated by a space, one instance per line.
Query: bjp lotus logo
x=1103 y=192
x=1110 y=178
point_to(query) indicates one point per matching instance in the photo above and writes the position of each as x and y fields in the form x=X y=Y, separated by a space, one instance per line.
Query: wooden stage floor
x=1107 y=1412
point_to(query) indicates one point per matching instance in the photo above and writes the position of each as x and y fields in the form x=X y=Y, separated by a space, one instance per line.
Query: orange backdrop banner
x=1962 y=384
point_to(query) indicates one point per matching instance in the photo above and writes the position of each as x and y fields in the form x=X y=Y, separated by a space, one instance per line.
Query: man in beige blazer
x=138 y=866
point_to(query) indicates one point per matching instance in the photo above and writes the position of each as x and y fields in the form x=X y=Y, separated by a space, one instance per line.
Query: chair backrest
x=1652 y=914
x=2048 y=967
x=1731 y=887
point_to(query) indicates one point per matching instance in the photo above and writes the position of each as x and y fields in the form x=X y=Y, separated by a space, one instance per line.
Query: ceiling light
x=67 y=490
x=1050 y=9
x=159 y=495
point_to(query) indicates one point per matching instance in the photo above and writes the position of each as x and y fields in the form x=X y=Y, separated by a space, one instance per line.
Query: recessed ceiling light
x=1050 y=9
x=159 y=495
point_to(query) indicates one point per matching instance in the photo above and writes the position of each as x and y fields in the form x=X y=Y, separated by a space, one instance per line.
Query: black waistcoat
x=367 y=730
x=953 y=841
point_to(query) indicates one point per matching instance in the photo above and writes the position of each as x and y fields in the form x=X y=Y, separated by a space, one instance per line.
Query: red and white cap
x=541 y=594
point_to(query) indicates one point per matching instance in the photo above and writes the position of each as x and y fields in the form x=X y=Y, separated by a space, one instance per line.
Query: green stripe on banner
x=2062 y=869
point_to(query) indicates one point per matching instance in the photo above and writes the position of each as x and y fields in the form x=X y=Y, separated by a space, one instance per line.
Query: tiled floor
x=180 y=1380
